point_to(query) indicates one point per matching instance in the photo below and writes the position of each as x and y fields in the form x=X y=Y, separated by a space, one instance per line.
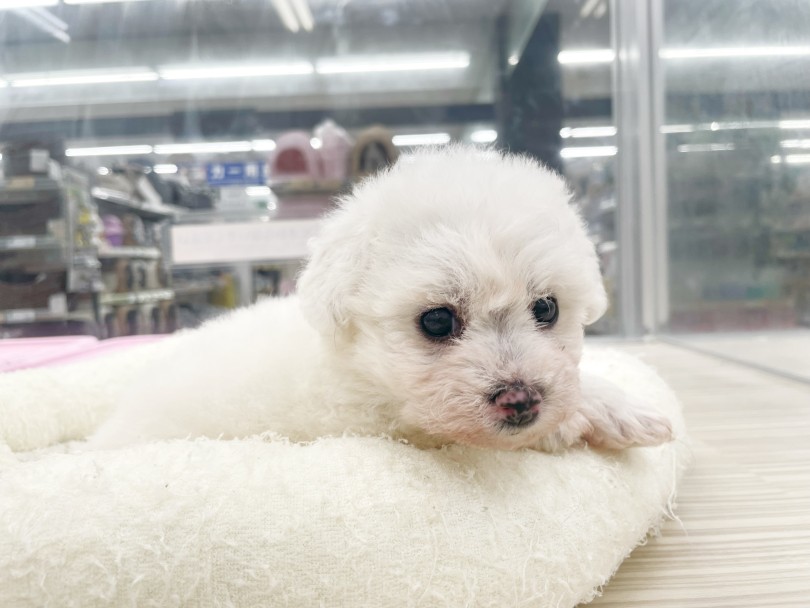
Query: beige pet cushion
x=340 y=522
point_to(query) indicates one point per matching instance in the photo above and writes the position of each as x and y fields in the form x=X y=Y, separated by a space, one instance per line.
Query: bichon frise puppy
x=444 y=301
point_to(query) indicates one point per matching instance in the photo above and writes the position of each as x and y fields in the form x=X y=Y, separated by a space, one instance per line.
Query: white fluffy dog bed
x=339 y=522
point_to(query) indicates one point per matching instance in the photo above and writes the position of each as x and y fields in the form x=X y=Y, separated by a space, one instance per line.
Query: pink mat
x=25 y=353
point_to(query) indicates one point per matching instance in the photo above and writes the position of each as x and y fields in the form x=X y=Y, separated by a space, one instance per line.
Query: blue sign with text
x=235 y=174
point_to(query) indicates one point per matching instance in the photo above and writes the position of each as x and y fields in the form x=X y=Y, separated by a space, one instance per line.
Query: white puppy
x=444 y=302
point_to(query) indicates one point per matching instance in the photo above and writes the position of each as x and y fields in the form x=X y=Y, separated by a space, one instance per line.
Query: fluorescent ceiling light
x=797 y=159
x=219 y=71
x=731 y=52
x=165 y=169
x=109 y=151
x=706 y=147
x=586 y=56
x=794 y=124
x=263 y=145
x=484 y=136
x=15 y=4
x=301 y=8
x=579 y=132
x=257 y=191
x=678 y=128
x=83 y=77
x=98 y=1
x=208 y=147
x=286 y=14
x=421 y=139
x=795 y=143
x=587 y=8
x=393 y=63
x=588 y=151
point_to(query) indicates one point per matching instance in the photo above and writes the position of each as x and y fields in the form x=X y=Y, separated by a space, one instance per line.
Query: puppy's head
x=457 y=285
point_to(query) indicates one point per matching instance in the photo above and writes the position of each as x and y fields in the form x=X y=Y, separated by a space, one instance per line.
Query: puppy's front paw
x=618 y=420
x=629 y=427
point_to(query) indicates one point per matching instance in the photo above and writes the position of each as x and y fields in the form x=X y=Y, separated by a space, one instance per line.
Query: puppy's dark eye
x=440 y=323
x=546 y=311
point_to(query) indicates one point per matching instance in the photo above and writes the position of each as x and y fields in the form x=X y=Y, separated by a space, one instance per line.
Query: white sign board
x=242 y=241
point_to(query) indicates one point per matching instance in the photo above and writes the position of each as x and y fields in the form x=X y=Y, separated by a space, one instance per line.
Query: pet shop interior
x=165 y=162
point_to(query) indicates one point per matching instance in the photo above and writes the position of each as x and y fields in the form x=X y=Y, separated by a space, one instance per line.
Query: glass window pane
x=160 y=146
x=737 y=128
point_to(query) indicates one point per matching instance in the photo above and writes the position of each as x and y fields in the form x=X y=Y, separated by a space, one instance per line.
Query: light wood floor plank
x=742 y=538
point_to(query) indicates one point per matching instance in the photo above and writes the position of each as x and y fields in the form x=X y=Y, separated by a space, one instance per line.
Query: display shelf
x=310 y=187
x=36 y=315
x=195 y=287
x=136 y=297
x=144 y=253
x=28 y=190
x=28 y=242
x=121 y=199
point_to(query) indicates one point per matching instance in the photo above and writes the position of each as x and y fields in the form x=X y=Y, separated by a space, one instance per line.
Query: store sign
x=235 y=174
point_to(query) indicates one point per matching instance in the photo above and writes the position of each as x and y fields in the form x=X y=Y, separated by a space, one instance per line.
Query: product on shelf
x=336 y=146
x=33 y=157
x=113 y=230
x=373 y=150
x=294 y=158
x=25 y=290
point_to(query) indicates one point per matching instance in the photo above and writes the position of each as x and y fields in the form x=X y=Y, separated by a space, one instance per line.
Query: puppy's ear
x=327 y=288
x=597 y=301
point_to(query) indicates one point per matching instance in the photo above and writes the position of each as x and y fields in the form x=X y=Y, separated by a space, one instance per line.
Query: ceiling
x=155 y=33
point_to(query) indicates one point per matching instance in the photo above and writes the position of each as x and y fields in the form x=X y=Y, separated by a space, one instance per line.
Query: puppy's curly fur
x=480 y=235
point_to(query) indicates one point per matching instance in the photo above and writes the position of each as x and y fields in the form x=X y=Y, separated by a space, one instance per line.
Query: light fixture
x=484 y=136
x=286 y=14
x=421 y=139
x=677 y=128
x=732 y=52
x=164 y=169
x=17 y=4
x=208 y=147
x=587 y=8
x=109 y=151
x=792 y=159
x=315 y=143
x=257 y=191
x=103 y=171
x=219 y=71
x=588 y=151
x=586 y=56
x=263 y=145
x=99 y=1
x=45 y=79
x=301 y=9
x=795 y=143
x=44 y=21
x=794 y=124
x=513 y=60
x=706 y=147
x=359 y=64
x=581 y=132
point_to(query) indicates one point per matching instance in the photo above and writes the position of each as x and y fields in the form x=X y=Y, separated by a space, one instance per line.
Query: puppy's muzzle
x=517 y=406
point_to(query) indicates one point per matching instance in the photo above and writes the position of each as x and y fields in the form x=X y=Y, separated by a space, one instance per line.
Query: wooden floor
x=744 y=535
